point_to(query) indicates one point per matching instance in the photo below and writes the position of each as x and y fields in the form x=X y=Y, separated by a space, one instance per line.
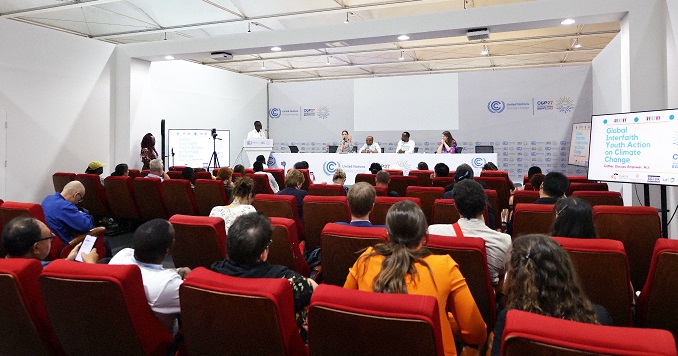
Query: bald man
x=61 y=214
x=370 y=146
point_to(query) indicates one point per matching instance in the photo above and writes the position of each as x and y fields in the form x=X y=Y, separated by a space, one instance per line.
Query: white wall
x=192 y=96
x=55 y=90
x=672 y=90
x=606 y=83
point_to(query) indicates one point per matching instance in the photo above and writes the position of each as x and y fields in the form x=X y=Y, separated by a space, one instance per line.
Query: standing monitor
x=194 y=147
x=579 y=144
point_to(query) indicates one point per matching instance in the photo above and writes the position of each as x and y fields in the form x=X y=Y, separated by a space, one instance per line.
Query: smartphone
x=86 y=247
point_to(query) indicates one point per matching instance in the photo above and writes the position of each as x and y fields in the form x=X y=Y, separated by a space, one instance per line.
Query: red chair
x=101 y=309
x=198 y=241
x=307 y=179
x=579 y=179
x=599 y=197
x=322 y=210
x=282 y=206
x=366 y=177
x=444 y=212
x=394 y=172
x=224 y=315
x=176 y=168
x=381 y=191
x=144 y=173
x=278 y=174
x=637 y=227
x=501 y=186
x=284 y=250
x=208 y=194
x=120 y=194
x=586 y=186
x=179 y=197
x=500 y=174
x=341 y=246
x=603 y=271
x=533 y=334
x=399 y=184
x=423 y=177
x=60 y=179
x=326 y=189
x=215 y=170
x=175 y=174
x=496 y=212
x=261 y=184
x=133 y=173
x=352 y=322
x=249 y=170
x=471 y=256
x=442 y=181
x=656 y=304
x=525 y=197
x=150 y=199
x=95 y=200
x=427 y=196
x=532 y=219
x=381 y=206
x=25 y=327
x=203 y=175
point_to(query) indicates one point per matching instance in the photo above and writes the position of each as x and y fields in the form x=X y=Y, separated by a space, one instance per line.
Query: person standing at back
x=148 y=152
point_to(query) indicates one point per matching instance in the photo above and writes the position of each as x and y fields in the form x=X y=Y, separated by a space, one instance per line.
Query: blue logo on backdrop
x=271 y=161
x=274 y=113
x=330 y=167
x=496 y=106
x=478 y=162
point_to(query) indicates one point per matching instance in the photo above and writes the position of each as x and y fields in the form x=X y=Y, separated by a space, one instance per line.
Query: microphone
x=172 y=151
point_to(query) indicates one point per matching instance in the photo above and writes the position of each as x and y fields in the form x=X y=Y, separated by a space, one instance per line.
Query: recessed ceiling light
x=276 y=49
x=169 y=57
x=567 y=22
x=485 y=51
x=403 y=38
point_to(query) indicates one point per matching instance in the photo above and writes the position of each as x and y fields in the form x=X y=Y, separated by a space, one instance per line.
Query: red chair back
x=278 y=174
x=656 y=304
x=496 y=211
x=87 y=301
x=179 y=197
x=10 y=210
x=326 y=189
x=133 y=173
x=444 y=212
x=198 y=241
x=442 y=181
x=95 y=200
x=366 y=177
x=150 y=200
x=533 y=334
x=579 y=179
x=322 y=210
x=176 y=168
x=427 y=196
x=381 y=191
x=586 y=186
x=203 y=175
x=341 y=246
x=399 y=184
x=175 y=174
x=423 y=177
x=501 y=186
x=637 y=227
x=599 y=197
x=282 y=206
x=60 y=179
x=337 y=315
x=532 y=219
x=394 y=172
x=381 y=206
x=261 y=184
x=525 y=197
x=120 y=194
x=208 y=194
x=307 y=179
x=284 y=250
x=224 y=315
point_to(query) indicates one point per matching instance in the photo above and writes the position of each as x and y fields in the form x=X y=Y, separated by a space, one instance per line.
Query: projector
x=221 y=55
x=478 y=34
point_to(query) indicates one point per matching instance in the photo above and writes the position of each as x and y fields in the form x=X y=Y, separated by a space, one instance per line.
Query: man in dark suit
x=361 y=198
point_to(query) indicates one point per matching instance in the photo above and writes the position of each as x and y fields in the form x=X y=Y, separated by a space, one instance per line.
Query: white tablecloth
x=323 y=165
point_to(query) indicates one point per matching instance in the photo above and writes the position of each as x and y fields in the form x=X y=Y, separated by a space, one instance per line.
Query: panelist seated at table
x=370 y=146
x=405 y=145
x=447 y=144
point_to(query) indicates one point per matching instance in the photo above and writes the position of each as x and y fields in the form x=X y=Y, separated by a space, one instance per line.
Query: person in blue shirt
x=61 y=214
x=361 y=198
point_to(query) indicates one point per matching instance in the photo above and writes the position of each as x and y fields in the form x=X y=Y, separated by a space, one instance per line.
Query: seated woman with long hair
x=574 y=218
x=542 y=280
x=243 y=196
x=404 y=266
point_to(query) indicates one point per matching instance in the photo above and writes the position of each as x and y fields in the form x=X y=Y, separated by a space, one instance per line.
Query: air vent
x=221 y=55
x=478 y=34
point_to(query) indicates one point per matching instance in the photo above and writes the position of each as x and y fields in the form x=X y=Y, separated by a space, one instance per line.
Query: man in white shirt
x=259 y=169
x=370 y=146
x=152 y=243
x=405 y=145
x=469 y=198
x=257 y=132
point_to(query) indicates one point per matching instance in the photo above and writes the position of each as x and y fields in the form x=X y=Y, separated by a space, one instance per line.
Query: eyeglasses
x=269 y=243
x=81 y=197
x=558 y=212
x=50 y=238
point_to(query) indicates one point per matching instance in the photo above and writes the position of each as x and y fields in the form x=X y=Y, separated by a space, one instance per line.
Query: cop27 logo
x=274 y=113
x=496 y=106
x=330 y=167
x=478 y=162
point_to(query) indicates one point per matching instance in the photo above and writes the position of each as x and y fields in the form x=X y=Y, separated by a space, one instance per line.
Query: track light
x=249 y=27
x=485 y=51
x=347 y=17
x=402 y=57
x=328 y=61
x=263 y=65
x=576 y=43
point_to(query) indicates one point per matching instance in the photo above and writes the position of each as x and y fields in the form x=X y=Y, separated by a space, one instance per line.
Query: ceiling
x=146 y=21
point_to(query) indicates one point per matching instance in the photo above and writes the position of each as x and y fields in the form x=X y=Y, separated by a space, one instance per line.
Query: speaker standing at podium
x=257 y=132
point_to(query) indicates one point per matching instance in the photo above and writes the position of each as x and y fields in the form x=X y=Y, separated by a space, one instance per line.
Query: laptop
x=484 y=149
x=332 y=149
x=459 y=149
x=294 y=149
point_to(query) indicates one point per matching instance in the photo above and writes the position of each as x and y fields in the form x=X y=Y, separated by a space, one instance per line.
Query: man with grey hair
x=157 y=170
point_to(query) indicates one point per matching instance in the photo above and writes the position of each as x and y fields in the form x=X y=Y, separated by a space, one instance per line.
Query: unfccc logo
x=496 y=106
x=478 y=162
x=274 y=113
x=330 y=167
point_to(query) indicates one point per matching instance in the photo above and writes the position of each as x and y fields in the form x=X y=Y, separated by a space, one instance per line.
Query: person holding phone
x=346 y=143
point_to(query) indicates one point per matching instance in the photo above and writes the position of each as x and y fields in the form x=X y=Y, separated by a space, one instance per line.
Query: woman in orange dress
x=404 y=266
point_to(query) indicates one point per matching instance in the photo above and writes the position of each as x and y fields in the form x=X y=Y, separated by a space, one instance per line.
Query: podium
x=257 y=146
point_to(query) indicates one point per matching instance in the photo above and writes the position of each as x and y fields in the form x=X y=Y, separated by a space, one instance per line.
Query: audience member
x=490 y=166
x=536 y=181
x=225 y=175
x=248 y=241
x=554 y=187
x=153 y=241
x=96 y=167
x=188 y=174
x=346 y=143
x=301 y=165
x=532 y=171
x=157 y=170
x=257 y=133
x=293 y=182
x=463 y=171
x=239 y=168
x=27 y=237
x=370 y=146
x=361 y=198
x=442 y=170
x=259 y=169
x=61 y=214
x=422 y=166
x=375 y=167
x=542 y=280
x=403 y=266
x=339 y=178
x=148 y=151
x=121 y=170
x=243 y=196
x=574 y=218
x=469 y=198
x=447 y=144
x=405 y=145
x=382 y=179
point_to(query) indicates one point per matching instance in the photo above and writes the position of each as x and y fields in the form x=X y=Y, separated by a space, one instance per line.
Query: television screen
x=639 y=147
x=579 y=144
x=194 y=147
